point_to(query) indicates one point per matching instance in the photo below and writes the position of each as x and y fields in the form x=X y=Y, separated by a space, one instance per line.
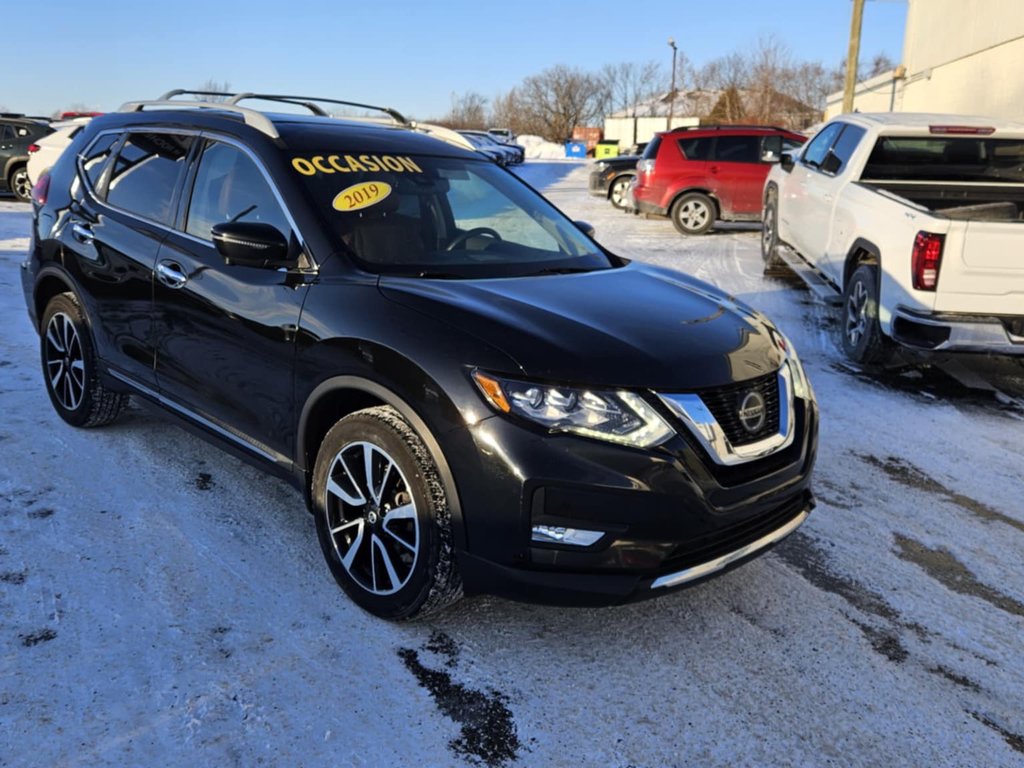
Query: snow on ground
x=162 y=602
x=538 y=148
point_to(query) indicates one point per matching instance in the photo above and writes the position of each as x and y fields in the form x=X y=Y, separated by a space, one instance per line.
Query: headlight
x=801 y=385
x=618 y=417
x=601 y=166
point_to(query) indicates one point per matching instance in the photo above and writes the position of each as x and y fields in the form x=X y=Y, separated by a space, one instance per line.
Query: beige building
x=959 y=56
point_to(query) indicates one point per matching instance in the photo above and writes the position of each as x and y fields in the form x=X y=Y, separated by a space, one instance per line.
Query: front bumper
x=666 y=517
x=948 y=332
x=598 y=183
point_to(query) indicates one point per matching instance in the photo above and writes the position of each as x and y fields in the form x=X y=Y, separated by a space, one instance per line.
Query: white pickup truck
x=915 y=220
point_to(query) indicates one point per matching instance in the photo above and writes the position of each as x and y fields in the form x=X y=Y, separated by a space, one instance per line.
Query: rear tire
x=693 y=214
x=860 y=334
x=382 y=517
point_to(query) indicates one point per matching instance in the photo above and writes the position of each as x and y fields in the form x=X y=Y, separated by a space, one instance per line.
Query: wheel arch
x=619 y=177
x=700 y=190
x=13 y=163
x=50 y=283
x=861 y=252
x=337 y=397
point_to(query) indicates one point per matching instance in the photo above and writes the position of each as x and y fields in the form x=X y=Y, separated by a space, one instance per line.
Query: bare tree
x=467 y=111
x=626 y=85
x=507 y=113
x=217 y=87
x=558 y=99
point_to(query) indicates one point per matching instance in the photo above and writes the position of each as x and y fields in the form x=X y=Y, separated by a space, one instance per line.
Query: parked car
x=516 y=152
x=916 y=221
x=697 y=176
x=423 y=345
x=487 y=148
x=17 y=133
x=611 y=177
x=503 y=135
x=44 y=152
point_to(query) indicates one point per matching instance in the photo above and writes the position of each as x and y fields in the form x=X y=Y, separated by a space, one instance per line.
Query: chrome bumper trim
x=706 y=569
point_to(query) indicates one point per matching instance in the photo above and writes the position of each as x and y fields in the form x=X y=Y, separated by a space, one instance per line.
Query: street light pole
x=672 y=93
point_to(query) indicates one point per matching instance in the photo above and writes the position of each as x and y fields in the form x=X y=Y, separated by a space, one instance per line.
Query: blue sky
x=409 y=55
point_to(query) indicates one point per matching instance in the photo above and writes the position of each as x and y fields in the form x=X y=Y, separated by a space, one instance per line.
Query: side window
x=820 y=144
x=146 y=173
x=95 y=158
x=788 y=145
x=737 y=149
x=847 y=143
x=696 y=149
x=230 y=187
x=771 y=148
x=7 y=134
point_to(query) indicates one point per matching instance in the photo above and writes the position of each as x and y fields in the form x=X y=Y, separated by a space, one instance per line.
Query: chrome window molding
x=703 y=425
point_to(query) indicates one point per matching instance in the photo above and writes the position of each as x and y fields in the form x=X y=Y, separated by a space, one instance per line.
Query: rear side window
x=847 y=144
x=7 y=133
x=230 y=187
x=737 y=149
x=696 y=149
x=651 y=150
x=145 y=174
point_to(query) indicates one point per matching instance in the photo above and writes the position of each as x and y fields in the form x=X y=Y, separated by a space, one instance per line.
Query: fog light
x=550 y=534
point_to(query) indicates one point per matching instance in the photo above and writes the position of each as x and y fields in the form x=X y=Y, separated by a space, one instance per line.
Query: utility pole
x=853 y=55
x=672 y=93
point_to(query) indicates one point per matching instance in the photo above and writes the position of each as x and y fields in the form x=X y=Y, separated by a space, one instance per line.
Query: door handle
x=171 y=274
x=82 y=234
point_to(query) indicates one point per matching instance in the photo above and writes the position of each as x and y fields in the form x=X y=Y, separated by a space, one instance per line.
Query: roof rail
x=727 y=126
x=182 y=91
x=310 y=103
x=257 y=120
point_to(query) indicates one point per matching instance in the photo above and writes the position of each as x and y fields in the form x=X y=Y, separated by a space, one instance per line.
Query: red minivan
x=713 y=172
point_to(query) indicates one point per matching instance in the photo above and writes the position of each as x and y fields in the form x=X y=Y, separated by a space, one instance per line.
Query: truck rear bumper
x=1001 y=335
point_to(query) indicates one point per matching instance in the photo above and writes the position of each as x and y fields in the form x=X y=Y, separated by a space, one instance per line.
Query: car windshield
x=442 y=217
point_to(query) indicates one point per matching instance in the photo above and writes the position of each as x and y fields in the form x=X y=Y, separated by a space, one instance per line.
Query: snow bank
x=540 y=149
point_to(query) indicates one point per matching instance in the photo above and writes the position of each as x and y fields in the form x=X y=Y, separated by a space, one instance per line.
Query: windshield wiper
x=559 y=271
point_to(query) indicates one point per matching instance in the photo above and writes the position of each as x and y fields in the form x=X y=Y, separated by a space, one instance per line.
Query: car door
x=806 y=195
x=736 y=175
x=225 y=333
x=124 y=196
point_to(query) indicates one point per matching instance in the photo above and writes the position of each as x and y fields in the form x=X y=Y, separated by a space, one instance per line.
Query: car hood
x=635 y=326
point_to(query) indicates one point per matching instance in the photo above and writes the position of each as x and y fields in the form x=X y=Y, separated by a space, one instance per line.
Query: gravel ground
x=161 y=602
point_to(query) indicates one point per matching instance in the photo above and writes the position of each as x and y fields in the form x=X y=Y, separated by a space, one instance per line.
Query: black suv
x=17 y=132
x=473 y=394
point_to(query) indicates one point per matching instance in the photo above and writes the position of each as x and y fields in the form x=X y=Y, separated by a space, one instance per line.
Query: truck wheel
x=617 y=192
x=770 y=236
x=19 y=183
x=69 y=367
x=693 y=213
x=861 y=336
x=382 y=516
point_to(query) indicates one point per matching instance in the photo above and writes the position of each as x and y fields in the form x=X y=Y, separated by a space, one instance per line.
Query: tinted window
x=230 y=187
x=944 y=158
x=820 y=144
x=847 y=143
x=696 y=149
x=7 y=134
x=146 y=173
x=651 y=150
x=737 y=149
x=94 y=159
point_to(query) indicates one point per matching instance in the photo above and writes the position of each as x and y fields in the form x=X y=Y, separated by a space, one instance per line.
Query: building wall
x=960 y=56
x=621 y=128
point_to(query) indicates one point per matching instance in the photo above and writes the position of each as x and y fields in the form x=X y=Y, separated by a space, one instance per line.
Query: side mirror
x=585 y=228
x=831 y=164
x=250 y=244
x=787 y=161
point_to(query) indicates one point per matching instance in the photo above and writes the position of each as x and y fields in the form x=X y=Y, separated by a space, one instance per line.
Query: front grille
x=724 y=404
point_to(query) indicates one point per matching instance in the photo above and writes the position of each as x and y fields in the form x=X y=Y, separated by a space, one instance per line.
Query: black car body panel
x=265 y=360
x=605 y=171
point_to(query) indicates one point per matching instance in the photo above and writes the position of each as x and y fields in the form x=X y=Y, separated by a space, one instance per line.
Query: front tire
x=382 y=516
x=19 y=184
x=770 y=235
x=693 y=213
x=69 y=367
x=617 y=192
x=860 y=333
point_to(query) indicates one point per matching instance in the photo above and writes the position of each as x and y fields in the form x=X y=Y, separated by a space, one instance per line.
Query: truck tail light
x=41 y=189
x=926 y=260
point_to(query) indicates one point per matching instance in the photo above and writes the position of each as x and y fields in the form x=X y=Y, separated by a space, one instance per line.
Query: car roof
x=297 y=132
x=925 y=119
x=718 y=130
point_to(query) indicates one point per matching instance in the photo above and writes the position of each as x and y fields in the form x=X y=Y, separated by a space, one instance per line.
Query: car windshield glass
x=442 y=217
